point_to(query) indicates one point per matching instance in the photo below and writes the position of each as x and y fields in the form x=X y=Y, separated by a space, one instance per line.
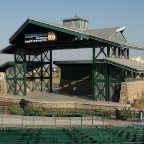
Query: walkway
x=54 y=98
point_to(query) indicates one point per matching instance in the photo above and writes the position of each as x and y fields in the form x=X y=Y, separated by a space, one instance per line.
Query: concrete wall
x=131 y=91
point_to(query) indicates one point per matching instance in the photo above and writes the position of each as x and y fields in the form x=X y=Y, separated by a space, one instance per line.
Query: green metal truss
x=106 y=77
x=40 y=76
x=32 y=71
x=107 y=82
x=16 y=82
x=10 y=79
x=39 y=73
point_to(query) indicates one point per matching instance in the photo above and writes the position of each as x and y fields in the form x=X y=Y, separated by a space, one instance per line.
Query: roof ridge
x=117 y=27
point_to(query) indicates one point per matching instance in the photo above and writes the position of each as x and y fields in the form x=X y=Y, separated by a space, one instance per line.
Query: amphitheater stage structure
x=33 y=43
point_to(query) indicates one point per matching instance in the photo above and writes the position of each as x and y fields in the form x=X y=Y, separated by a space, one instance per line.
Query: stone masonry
x=3 y=85
x=131 y=91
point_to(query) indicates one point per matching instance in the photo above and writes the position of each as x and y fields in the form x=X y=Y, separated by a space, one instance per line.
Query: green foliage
x=141 y=101
x=61 y=113
x=79 y=111
x=106 y=112
x=126 y=113
x=16 y=110
x=109 y=112
x=31 y=110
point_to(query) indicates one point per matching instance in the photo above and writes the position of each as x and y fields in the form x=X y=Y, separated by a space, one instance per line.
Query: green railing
x=70 y=119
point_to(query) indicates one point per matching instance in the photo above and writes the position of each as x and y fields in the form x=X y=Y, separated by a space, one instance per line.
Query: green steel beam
x=50 y=70
x=41 y=72
x=25 y=78
x=15 y=80
x=127 y=53
x=107 y=83
x=112 y=43
x=108 y=50
x=93 y=73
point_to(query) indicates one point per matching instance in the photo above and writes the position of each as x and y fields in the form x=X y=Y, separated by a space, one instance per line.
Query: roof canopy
x=63 y=36
x=30 y=66
x=128 y=64
x=6 y=65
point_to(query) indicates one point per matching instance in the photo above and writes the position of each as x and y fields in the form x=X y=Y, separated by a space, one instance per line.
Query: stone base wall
x=83 y=87
x=3 y=84
x=131 y=91
x=6 y=101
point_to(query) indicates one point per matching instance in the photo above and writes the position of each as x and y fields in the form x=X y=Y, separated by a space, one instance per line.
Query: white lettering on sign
x=39 y=37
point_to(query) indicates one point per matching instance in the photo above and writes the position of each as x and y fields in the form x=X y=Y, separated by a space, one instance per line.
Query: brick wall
x=130 y=91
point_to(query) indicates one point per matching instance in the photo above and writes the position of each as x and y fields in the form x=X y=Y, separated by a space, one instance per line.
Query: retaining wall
x=131 y=91
x=3 y=85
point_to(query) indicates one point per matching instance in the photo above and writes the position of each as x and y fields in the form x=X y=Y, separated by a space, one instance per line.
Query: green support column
x=25 y=72
x=108 y=83
x=107 y=76
x=50 y=70
x=24 y=75
x=15 y=80
x=41 y=78
x=127 y=53
x=108 y=51
x=119 y=52
x=93 y=73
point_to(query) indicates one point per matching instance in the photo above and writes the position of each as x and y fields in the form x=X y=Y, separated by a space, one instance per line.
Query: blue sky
x=100 y=13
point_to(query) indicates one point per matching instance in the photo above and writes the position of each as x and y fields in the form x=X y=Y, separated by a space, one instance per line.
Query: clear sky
x=100 y=13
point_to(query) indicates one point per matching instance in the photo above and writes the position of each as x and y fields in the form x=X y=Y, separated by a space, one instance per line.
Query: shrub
x=141 y=101
x=15 y=110
x=126 y=113
x=31 y=110
x=61 y=113
x=106 y=112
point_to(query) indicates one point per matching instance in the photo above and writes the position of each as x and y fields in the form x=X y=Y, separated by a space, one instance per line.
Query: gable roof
x=105 y=33
x=102 y=35
x=57 y=27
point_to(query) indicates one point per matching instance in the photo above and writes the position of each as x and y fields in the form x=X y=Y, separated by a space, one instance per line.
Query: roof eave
x=19 y=30
x=6 y=65
x=72 y=32
x=121 y=29
x=123 y=66
x=47 y=25
x=7 y=48
x=110 y=42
